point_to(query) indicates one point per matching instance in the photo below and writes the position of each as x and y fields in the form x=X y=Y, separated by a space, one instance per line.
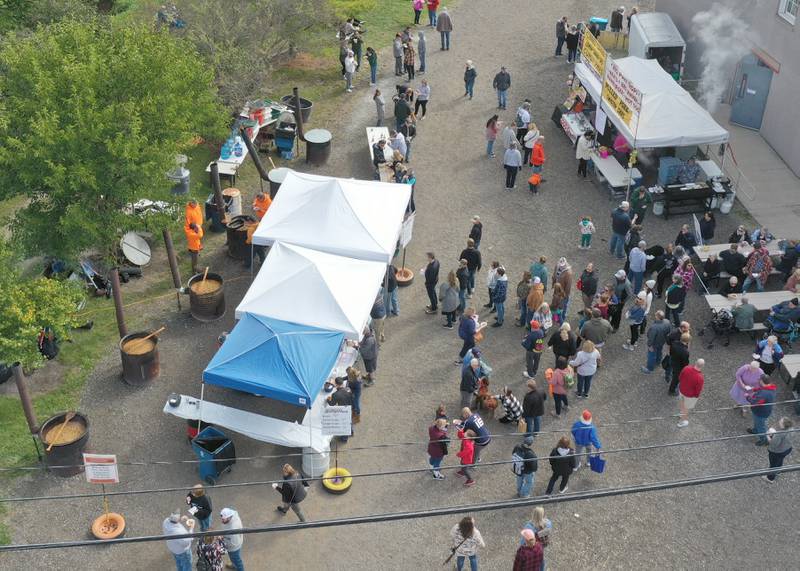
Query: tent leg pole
x=200 y=408
x=252 y=252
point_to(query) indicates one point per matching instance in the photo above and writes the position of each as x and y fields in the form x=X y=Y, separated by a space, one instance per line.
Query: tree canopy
x=29 y=304
x=92 y=117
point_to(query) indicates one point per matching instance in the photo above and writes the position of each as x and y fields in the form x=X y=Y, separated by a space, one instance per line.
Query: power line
x=380 y=474
x=349 y=449
x=427 y=513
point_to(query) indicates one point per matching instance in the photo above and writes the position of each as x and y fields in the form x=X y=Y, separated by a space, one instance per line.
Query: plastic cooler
x=602 y=23
x=216 y=453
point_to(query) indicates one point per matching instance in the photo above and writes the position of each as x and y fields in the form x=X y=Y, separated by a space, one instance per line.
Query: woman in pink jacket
x=558 y=384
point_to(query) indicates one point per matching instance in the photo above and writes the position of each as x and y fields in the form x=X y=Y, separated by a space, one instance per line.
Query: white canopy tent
x=355 y=218
x=669 y=116
x=313 y=288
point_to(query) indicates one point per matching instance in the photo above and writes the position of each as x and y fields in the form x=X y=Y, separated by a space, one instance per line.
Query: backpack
x=517 y=463
x=519 y=122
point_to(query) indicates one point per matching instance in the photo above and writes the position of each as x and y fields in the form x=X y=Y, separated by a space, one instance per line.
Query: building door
x=751 y=89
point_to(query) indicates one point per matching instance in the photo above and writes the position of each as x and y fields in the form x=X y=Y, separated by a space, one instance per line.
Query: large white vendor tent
x=355 y=218
x=313 y=288
x=669 y=117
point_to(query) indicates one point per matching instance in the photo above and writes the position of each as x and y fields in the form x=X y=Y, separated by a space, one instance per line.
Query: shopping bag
x=597 y=464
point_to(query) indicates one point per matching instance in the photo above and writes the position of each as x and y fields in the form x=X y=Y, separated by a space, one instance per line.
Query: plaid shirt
x=529 y=558
x=511 y=406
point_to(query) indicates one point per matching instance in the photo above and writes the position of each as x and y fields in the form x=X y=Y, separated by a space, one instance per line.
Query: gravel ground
x=716 y=527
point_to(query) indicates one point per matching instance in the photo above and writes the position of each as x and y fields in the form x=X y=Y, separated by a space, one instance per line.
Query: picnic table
x=375 y=134
x=791 y=365
x=703 y=252
x=609 y=170
x=762 y=301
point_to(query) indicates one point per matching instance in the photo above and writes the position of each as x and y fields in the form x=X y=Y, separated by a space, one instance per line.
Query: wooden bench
x=755 y=330
x=723 y=275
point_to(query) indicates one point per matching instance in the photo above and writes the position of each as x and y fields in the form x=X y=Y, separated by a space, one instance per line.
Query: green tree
x=92 y=117
x=242 y=40
x=29 y=304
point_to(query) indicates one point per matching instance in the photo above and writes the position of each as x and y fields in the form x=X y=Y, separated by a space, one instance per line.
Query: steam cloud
x=726 y=39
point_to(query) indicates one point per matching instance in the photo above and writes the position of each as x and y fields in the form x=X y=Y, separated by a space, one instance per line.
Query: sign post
x=101 y=469
x=337 y=421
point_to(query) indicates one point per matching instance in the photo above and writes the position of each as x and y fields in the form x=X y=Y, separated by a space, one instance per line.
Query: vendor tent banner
x=668 y=116
x=622 y=95
x=593 y=55
x=315 y=289
x=275 y=359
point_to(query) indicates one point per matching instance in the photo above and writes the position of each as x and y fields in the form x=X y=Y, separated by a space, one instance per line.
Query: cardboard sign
x=407 y=231
x=101 y=468
x=622 y=96
x=337 y=421
x=593 y=55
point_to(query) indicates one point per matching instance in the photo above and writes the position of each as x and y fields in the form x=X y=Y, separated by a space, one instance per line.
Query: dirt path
x=669 y=530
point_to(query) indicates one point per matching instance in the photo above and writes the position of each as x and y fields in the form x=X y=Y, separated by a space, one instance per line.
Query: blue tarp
x=275 y=359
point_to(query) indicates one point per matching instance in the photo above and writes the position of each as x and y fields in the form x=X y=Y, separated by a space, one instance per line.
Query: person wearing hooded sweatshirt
x=469 y=78
x=780 y=445
x=762 y=401
x=563 y=462
x=181 y=549
x=535 y=296
x=534 y=345
x=499 y=296
x=233 y=543
x=585 y=435
x=524 y=465
x=563 y=274
x=539 y=270
x=622 y=291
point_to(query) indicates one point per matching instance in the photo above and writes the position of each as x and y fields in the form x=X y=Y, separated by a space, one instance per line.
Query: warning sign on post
x=337 y=421
x=101 y=468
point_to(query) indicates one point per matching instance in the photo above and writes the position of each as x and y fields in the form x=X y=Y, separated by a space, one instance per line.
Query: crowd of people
x=539 y=305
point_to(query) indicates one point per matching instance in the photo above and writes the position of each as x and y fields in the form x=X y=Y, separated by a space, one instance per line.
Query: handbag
x=665 y=362
x=597 y=464
x=478 y=337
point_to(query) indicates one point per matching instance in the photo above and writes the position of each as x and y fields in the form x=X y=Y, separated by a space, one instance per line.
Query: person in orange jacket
x=537 y=155
x=194 y=241
x=194 y=213
x=261 y=204
x=259 y=252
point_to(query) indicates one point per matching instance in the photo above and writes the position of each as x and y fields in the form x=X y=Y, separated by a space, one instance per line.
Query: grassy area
x=316 y=73
x=79 y=359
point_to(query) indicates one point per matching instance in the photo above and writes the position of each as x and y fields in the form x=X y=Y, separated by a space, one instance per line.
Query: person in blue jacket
x=782 y=315
x=762 y=400
x=499 y=296
x=585 y=435
x=467 y=327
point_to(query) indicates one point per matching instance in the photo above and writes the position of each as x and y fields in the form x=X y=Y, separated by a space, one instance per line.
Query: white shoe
x=629 y=347
x=768 y=480
x=683 y=424
x=526 y=375
x=564 y=491
x=578 y=467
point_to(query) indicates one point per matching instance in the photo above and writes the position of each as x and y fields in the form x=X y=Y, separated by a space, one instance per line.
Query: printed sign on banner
x=622 y=95
x=593 y=55
x=407 y=231
x=337 y=421
x=101 y=468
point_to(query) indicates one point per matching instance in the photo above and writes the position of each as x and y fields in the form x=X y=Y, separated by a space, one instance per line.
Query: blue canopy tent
x=276 y=359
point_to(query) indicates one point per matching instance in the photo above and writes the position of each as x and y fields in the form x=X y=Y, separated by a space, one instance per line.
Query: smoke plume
x=726 y=39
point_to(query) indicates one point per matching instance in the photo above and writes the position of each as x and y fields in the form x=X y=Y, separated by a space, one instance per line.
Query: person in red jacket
x=467 y=455
x=537 y=155
x=690 y=385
